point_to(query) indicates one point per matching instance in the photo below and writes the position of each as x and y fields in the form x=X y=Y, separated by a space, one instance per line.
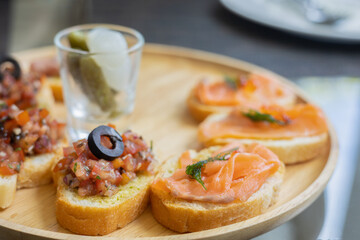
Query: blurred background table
x=200 y=24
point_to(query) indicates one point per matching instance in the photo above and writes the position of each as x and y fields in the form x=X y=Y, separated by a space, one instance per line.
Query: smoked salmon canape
x=246 y=91
x=29 y=142
x=294 y=134
x=217 y=186
x=103 y=182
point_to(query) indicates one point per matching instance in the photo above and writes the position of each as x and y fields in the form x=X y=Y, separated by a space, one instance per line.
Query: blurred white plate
x=286 y=15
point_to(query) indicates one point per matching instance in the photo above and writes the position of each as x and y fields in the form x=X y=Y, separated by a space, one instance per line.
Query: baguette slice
x=97 y=215
x=190 y=216
x=200 y=110
x=44 y=96
x=56 y=88
x=36 y=171
x=7 y=190
x=289 y=151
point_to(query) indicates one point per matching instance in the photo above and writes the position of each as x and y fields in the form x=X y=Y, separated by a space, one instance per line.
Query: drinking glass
x=91 y=99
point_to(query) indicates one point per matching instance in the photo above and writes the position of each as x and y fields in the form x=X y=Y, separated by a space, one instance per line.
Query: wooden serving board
x=167 y=74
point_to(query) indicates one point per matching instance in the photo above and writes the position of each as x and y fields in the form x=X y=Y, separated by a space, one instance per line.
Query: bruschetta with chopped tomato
x=103 y=182
x=25 y=90
x=29 y=141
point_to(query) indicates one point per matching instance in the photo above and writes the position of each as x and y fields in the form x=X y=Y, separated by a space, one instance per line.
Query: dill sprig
x=194 y=170
x=263 y=117
x=231 y=82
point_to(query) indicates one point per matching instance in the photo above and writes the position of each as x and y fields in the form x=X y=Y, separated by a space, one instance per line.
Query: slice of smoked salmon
x=239 y=177
x=304 y=120
x=255 y=91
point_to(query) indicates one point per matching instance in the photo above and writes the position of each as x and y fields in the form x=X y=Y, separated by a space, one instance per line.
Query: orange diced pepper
x=43 y=113
x=22 y=118
x=117 y=163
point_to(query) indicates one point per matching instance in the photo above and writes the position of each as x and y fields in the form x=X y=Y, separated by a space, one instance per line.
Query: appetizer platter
x=172 y=98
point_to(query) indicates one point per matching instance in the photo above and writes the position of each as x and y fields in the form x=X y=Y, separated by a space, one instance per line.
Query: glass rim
x=137 y=46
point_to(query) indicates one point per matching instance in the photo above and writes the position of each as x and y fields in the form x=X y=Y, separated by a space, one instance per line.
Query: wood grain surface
x=167 y=74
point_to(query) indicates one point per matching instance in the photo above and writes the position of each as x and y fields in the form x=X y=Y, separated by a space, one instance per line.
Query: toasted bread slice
x=44 y=96
x=7 y=190
x=200 y=110
x=191 y=216
x=56 y=88
x=97 y=215
x=289 y=151
x=35 y=171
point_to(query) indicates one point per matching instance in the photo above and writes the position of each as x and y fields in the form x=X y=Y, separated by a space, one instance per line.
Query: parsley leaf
x=75 y=166
x=263 y=117
x=98 y=177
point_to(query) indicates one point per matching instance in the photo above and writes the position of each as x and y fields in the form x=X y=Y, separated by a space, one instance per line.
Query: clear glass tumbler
x=98 y=87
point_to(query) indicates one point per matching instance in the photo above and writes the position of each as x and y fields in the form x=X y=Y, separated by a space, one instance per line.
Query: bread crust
x=200 y=111
x=90 y=220
x=36 y=170
x=96 y=218
x=290 y=151
x=7 y=190
x=191 y=216
x=44 y=96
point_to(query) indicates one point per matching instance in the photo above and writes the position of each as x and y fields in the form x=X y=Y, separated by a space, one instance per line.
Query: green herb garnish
x=151 y=145
x=263 y=117
x=231 y=82
x=98 y=177
x=17 y=149
x=18 y=167
x=194 y=170
x=10 y=166
x=75 y=166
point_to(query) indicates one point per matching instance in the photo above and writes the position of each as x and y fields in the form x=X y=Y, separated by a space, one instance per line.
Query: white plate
x=286 y=15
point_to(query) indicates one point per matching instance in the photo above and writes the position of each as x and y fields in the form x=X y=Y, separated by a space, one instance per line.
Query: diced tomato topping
x=92 y=176
x=10 y=125
x=80 y=146
x=43 y=113
x=68 y=150
x=19 y=92
x=10 y=160
x=118 y=163
x=24 y=132
x=22 y=118
x=6 y=170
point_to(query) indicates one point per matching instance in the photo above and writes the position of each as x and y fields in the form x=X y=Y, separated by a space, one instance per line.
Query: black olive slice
x=99 y=150
x=15 y=71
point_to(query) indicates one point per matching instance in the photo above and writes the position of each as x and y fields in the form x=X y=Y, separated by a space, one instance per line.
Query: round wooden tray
x=167 y=74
